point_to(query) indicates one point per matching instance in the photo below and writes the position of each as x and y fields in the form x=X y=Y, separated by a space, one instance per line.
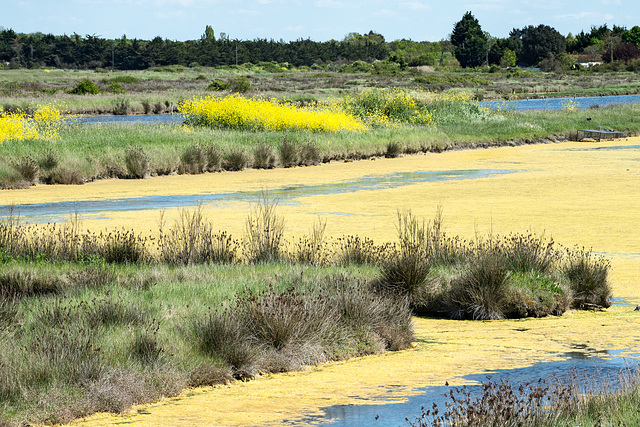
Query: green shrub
x=146 y=107
x=218 y=85
x=121 y=107
x=125 y=79
x=116 y=88
x=85 y=86
x=240 y=84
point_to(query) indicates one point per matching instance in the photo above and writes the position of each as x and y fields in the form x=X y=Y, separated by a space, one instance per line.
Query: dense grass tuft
x=588 y=278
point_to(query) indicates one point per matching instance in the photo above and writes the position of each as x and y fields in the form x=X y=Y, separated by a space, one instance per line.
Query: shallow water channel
x=580 y=194
x=59 y=211
x=599 y=371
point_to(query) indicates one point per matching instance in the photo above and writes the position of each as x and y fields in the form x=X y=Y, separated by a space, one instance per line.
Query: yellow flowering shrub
x=383 y=107
x=44 y=122
x=257 y=114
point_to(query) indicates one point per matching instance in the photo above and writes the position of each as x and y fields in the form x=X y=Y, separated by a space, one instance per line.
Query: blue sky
x=320 y=20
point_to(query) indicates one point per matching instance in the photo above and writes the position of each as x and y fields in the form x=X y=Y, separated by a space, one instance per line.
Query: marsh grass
x=575 y=400
x=193 y=160
x=264 y=157
x=85 y=150
x=264 y=232
x=136 y=161
x=192 y=240
x=588 y=277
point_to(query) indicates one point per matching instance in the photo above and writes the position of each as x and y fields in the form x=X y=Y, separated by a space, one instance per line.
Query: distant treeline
x=90 y=51
x=469 y=46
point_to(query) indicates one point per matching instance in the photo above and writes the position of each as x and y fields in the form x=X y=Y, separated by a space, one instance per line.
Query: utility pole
x=487 y=51
x=236 y=54
x=611 y=41
x=113 y=56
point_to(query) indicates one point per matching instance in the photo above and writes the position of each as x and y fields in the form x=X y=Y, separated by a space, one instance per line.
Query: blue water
x=559 y=103
x=60 y=211
x=595 y=370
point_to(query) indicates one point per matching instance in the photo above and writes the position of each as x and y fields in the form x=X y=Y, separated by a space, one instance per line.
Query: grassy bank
x=84 y=153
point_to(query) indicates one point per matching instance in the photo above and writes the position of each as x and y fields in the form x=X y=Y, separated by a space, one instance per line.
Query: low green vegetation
x=98 y=322
x=85 y=152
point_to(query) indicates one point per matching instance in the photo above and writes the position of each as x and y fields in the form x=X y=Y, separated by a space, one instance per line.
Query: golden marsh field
x=578 y=193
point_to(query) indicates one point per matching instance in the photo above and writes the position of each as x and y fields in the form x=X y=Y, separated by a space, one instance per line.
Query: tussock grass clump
x=137 y=161
x=289 y=153
x=312 y=249
x=121 y=107
x=394 y=149
x=309 y=154
x=192 y=240
x=481 y=290
x=502 y=404
x=48 y=160
x=274 y=331
x=354 y=250
x=588 y=279
x=214 y=158
x=510 y=277
x=28 y=168
x=235 y=160
x=264 y=232
x=193 y=160
x=264 y=157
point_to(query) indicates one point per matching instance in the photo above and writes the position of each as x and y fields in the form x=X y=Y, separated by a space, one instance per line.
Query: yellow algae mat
x=579 y=193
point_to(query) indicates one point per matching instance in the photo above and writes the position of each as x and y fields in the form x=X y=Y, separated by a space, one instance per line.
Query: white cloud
x=577 y=16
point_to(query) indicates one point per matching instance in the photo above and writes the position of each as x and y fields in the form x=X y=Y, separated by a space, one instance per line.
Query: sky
x=318 y=20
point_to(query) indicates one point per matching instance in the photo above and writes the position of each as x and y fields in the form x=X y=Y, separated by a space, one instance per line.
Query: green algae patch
x=582 y=194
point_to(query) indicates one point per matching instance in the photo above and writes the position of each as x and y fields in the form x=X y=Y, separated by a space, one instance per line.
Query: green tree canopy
x=469 y=40
x=632 y=36
x=541 y=42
